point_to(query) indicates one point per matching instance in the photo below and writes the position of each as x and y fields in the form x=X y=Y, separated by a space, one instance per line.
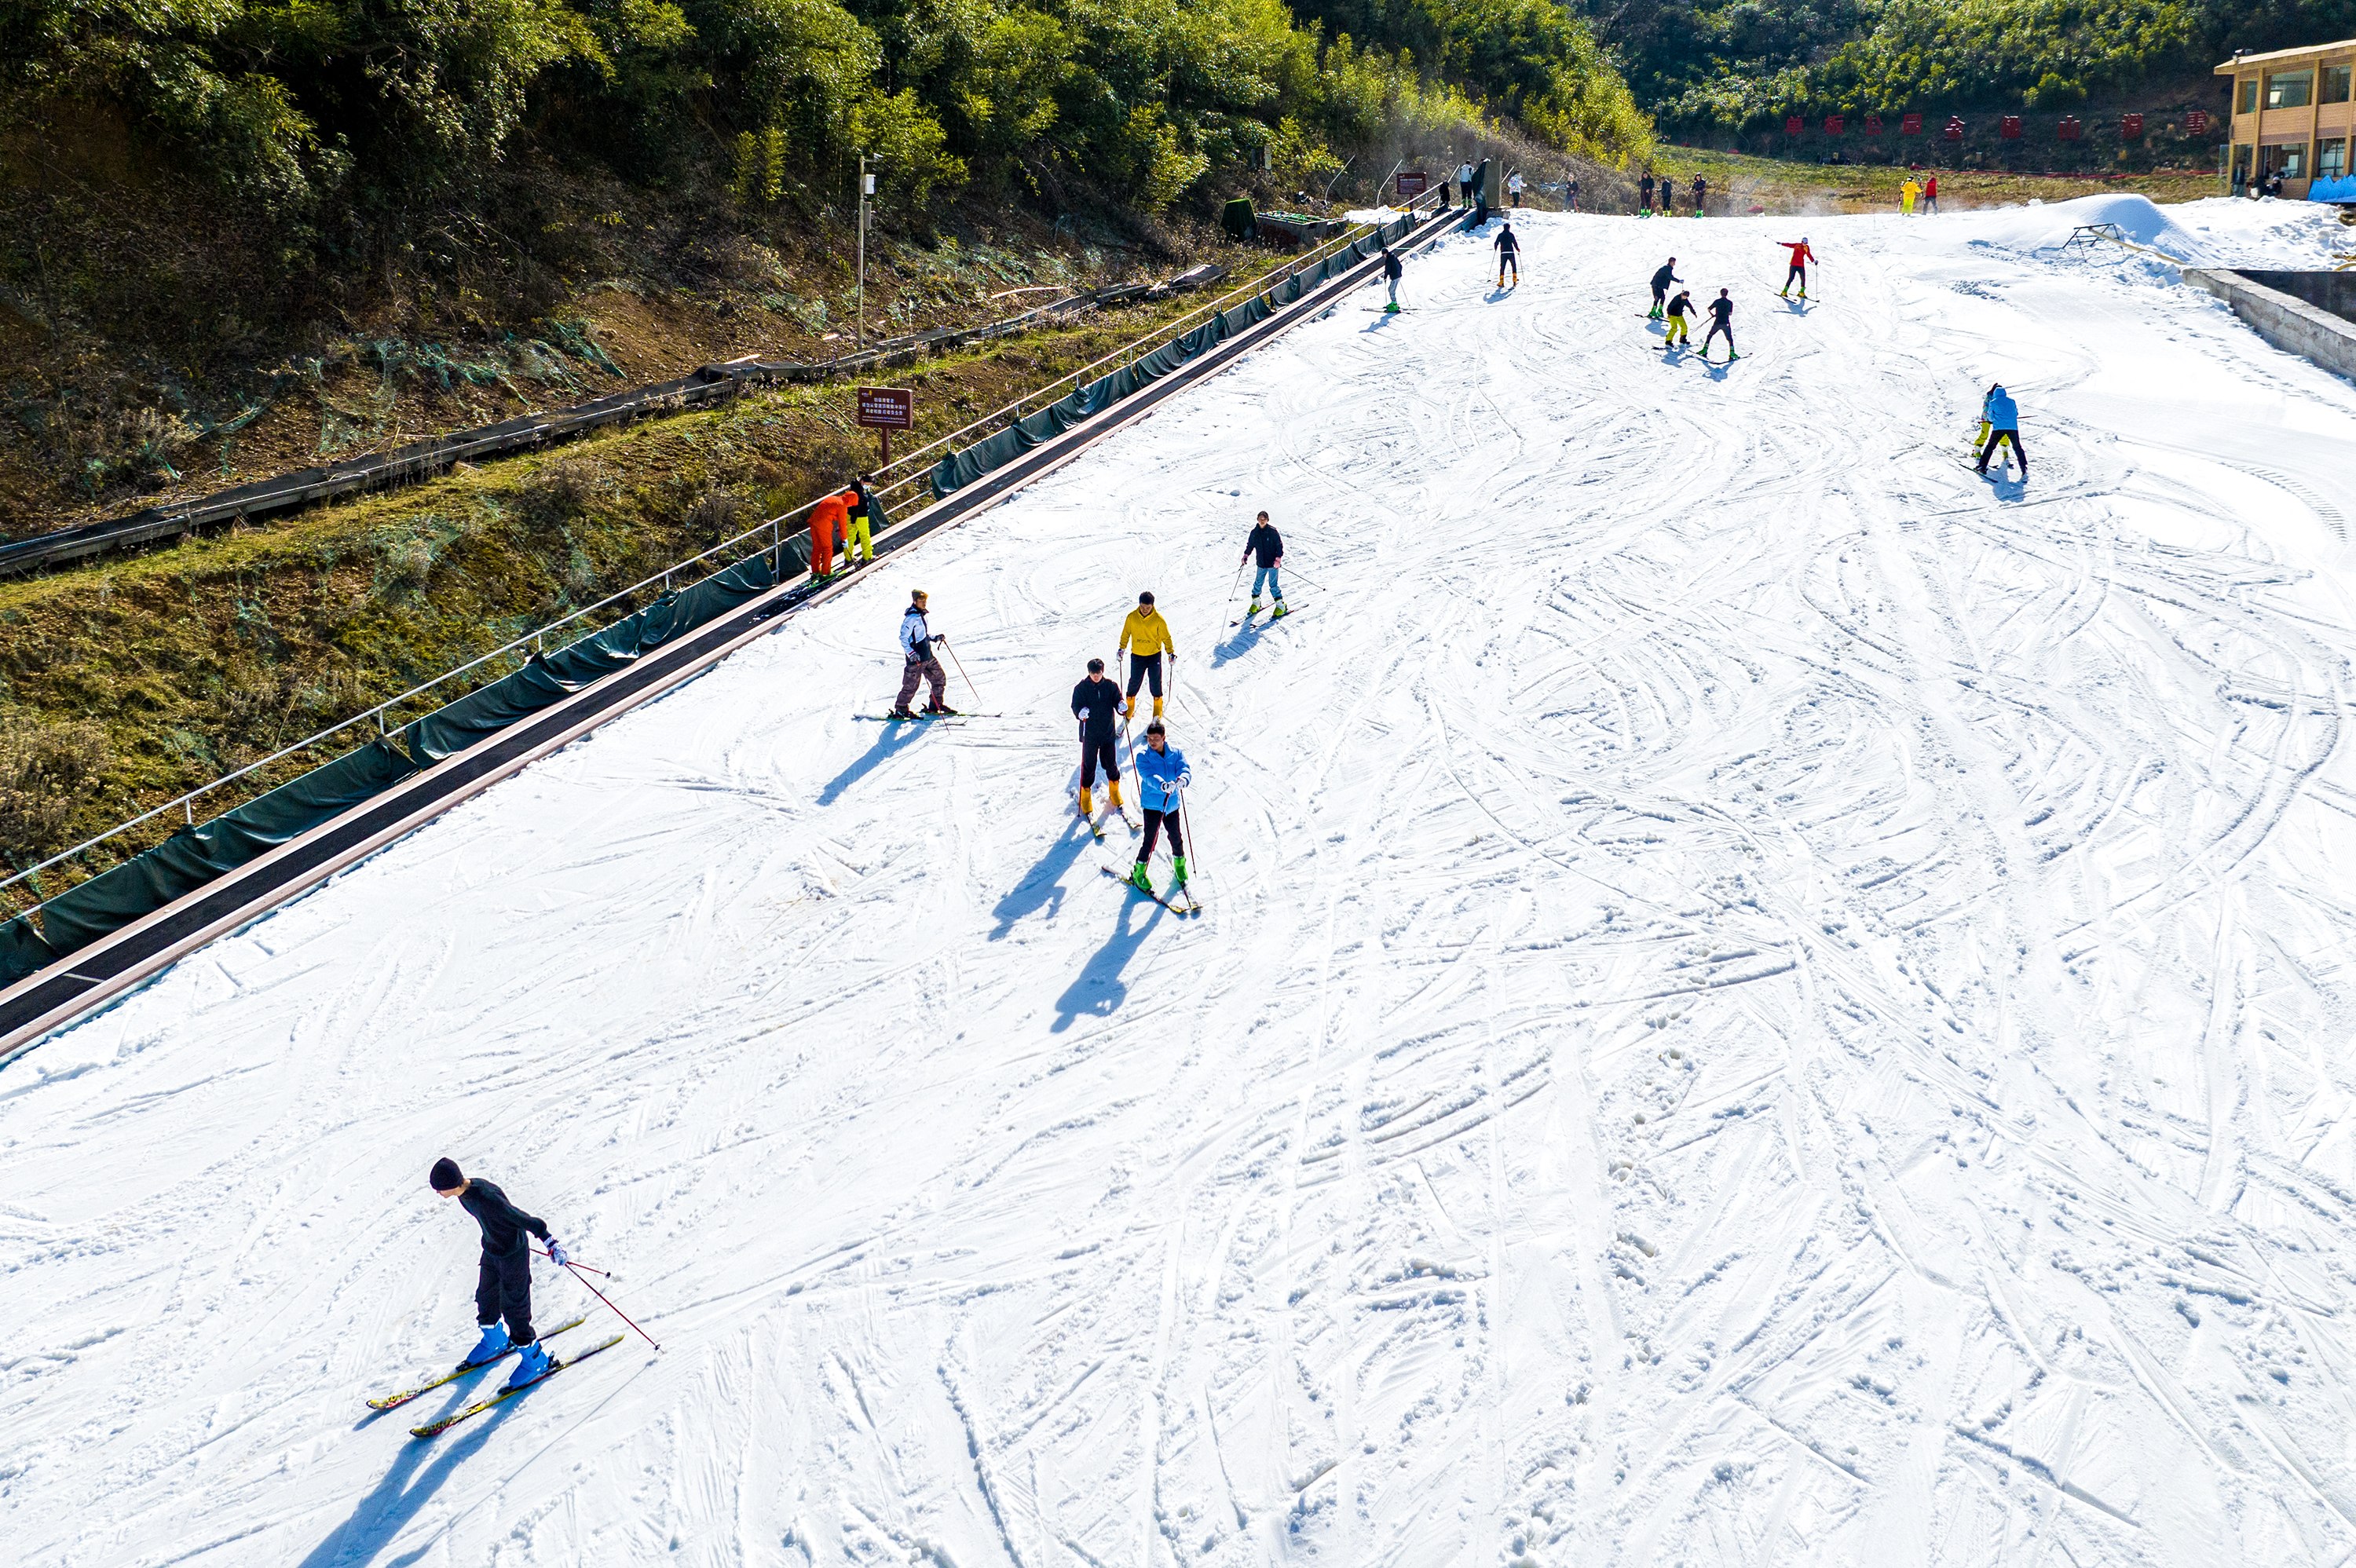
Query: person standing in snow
x=916 y=640
x=1644 y=187
x=866 y=513
x=1145 y=637
x=1669 y=194
x=1661 y=282
x=1721 y=319
x=1677 y=309
x=503 y=1283
x=1464 y=184
x=1985 y=399
x=1701 y=195
x=1507 y=246
x=1095 y=703
x=1572 y=192
x=1906 y=194
x=2004 y=424
x=1801 y=256
x=1161 y=773
x=1392 y=273
x=1931 y=194
x=1269 y=545
x=1514 y=185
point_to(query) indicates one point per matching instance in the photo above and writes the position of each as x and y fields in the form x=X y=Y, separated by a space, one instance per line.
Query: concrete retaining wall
x=2289 y=323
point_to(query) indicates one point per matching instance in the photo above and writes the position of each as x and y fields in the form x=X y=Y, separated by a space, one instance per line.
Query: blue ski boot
x=531 y=1363
x=490 y=1348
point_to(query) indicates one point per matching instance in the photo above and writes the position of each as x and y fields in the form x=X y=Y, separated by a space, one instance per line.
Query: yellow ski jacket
x=1145 y=633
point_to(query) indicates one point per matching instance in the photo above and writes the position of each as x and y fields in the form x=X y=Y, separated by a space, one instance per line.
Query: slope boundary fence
x=80 y=947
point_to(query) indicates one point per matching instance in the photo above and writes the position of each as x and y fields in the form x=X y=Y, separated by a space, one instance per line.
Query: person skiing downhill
x=1095 y=703
x=1507 y=245
x=1161 y=773
x=1677 y=309
x=1661 y=282
x=916 y=640
x=1144 y=637
x=1721 y=319
x=1801 y=256
x=503 y=1283
x=1392 y=272
x=2004 y=424
x=1269 y=545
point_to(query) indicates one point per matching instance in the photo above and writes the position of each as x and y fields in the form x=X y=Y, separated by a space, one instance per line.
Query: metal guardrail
x=774 y=527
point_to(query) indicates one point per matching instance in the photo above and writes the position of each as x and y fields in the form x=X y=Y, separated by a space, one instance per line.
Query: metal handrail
x=771 y=526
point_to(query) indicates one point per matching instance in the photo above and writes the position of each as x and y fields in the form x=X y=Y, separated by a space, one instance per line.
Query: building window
x=2247 y=104
x=2336 y=83
x=2289 y=162
x=2331 y=160
x=2290 y=90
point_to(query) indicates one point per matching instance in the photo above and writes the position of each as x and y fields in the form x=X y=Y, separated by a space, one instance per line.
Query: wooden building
x=2290 y=118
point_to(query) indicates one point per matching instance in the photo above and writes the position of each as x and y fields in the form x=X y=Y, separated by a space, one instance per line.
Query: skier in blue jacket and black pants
x=1161 y=774
x=2003 y=416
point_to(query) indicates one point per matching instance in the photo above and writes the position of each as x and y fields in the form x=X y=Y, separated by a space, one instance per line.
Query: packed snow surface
x=1763 y=998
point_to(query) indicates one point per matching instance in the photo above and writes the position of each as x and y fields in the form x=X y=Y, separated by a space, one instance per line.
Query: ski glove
x=556 y=1251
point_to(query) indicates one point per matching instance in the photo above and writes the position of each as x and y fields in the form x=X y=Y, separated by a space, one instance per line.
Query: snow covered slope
x=1763 y=999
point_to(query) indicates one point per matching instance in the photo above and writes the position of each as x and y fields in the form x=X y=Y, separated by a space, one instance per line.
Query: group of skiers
x=1667 y=188
x=1925 y=193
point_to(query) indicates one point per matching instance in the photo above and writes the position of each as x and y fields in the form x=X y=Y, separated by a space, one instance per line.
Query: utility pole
x=866 y=189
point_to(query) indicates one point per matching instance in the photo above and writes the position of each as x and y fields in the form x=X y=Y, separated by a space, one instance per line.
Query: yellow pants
x=856 y=544
x=1981 y=444
x=1677 y=330
x=1905 y=202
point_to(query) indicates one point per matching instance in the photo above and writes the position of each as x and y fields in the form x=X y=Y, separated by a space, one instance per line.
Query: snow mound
x=2218 y=232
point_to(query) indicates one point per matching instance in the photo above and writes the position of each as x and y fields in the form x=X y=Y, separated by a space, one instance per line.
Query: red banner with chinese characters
x=1873 y=124
x=1911 y=126
x=1954 y=129
x=2130 y=126
x=2011 y=128
x=1834 y=124
x=2196 y=124
x=2068 y=128
x=1793 y=125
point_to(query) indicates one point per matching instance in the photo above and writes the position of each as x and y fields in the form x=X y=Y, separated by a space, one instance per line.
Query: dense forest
x=1698 y=65
x=326 y=116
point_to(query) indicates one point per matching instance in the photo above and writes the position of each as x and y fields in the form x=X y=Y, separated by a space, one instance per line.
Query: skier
x=1661 y=282
x=1931 y=194
x=1668 y=194
x=1161 y=774
x=826 y=524
x=1701 y=195
x=916 y=640
x=1801 y=256
x=503 y=1285
x=1986 y=397
x=1645 y=186
x=866 y=511
x=1906 y=194
x=1145 y=637
x=1721 y=319
x=1095 y=703
x=1464 y=184
x=1573 y=194
x=1677 y=308
x=1514 y=185
x=1392 y=273
x=1269 y=545
x=2004 y=424
x=1506 y=246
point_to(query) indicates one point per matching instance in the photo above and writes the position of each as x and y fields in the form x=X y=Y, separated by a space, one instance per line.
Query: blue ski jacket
x=2002 y=412
x=1160 y=776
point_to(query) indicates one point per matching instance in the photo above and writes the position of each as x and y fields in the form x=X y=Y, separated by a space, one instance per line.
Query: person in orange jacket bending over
x=827 y=519
x=1145 y=637
x=1801 y=256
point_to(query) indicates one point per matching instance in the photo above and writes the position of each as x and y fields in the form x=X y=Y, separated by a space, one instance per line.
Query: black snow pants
x=1997 y=438
x=504 y=1289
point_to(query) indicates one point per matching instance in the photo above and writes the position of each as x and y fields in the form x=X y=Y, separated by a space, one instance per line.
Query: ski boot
x=1281 y=611
x=1253 y=611
x=1180 y=880
x=1087 y=805
x=934 y=710
x=530 y=1364
x=490 y=1348
x=1138 y=879
x=901 y=713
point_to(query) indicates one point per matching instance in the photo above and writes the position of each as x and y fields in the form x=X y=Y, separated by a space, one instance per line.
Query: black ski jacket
x=1664 y=278
x=1722 y=313
x=1267 y=543
x=1508 y=242
x=1391 y=267
x=1095 y=703
x=503 y=1224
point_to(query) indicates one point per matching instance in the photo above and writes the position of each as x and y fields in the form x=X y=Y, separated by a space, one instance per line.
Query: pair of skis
x=434 y=1428
x=1192 y=906
x=1250 y=620
x=1095 y=823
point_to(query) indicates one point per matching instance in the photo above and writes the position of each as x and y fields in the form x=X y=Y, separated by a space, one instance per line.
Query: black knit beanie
x=445 y=1175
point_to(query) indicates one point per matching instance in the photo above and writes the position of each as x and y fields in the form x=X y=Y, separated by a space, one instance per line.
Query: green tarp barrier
x=21 y=951
x=195 y=856
x=962 y=468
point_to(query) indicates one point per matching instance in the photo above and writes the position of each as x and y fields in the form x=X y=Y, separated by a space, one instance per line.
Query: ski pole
x=1233 y=588
x=608 y=1301
x=960 y=670
x=593 y=1268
